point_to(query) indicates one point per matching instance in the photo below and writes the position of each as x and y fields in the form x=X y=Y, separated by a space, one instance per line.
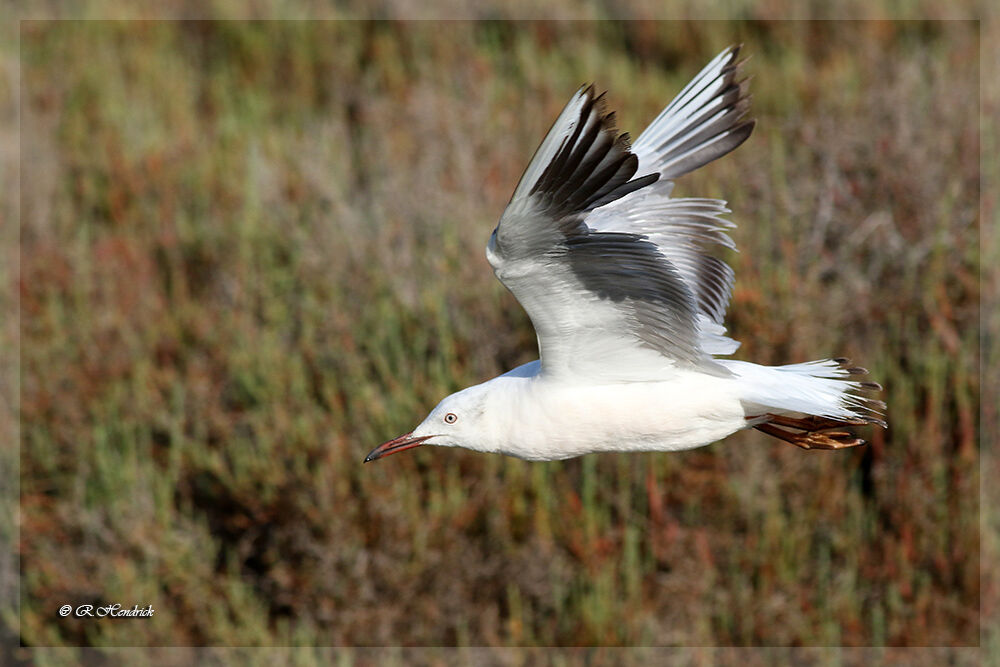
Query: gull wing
x=613 y=292
x=704 y=122
x=603 y=304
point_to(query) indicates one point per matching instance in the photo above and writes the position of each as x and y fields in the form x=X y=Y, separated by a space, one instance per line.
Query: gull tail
x=811 y=404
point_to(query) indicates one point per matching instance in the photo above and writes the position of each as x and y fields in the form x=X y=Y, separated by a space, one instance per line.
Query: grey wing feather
x=606 y=265
x=685 y=231
x=557 y=267
x=703 y=123
x=629 y=270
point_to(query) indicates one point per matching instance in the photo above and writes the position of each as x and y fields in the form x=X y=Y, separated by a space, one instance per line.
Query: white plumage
x=628 y=301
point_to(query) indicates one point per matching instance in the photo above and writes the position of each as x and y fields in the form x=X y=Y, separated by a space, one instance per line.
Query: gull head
x=457 y=421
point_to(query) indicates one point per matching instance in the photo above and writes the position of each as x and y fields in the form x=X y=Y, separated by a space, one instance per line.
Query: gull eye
x=450 y=418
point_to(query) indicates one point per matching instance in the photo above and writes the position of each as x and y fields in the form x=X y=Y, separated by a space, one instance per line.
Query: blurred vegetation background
x=250 y=251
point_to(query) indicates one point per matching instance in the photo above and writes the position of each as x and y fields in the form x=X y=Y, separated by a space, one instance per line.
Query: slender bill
x=406 y=441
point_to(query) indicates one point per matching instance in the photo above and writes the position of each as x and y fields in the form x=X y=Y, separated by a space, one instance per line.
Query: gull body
x=628 y=299
x=524 y=414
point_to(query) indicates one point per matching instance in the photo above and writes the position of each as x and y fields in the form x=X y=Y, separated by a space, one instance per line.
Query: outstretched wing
x=704 y=122
x=605 y=299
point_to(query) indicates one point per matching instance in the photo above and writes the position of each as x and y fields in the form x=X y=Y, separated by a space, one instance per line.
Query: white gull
x=628 y=303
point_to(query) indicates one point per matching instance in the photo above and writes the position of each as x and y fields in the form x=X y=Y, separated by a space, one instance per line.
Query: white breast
x=548 y=420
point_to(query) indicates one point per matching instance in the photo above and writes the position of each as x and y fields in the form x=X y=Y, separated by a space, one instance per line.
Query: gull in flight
x=628 y=301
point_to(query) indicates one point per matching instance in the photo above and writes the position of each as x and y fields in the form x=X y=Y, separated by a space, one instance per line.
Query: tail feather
x=828 y=392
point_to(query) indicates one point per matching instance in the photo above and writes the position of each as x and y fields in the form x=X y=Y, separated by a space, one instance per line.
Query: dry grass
x=252 y=251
